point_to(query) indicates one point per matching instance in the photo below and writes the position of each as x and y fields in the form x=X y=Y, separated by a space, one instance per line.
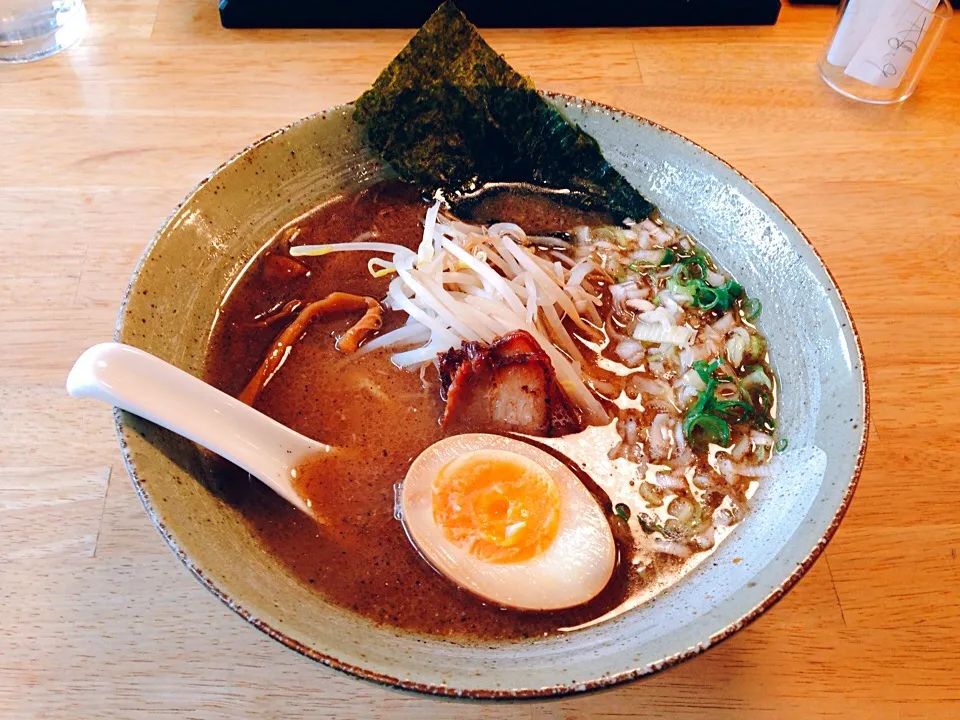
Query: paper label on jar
x=855 y=23
x=886 y=52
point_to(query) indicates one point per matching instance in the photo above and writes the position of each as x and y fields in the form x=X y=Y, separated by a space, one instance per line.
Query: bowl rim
x=529 y=693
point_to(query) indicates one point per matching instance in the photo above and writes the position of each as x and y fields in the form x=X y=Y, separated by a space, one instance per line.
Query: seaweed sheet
x=448 y=112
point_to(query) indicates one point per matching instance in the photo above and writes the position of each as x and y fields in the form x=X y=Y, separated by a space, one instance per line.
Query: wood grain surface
x=98 y=144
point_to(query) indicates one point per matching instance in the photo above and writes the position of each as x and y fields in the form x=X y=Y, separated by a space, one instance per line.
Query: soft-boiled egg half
x=508 y=522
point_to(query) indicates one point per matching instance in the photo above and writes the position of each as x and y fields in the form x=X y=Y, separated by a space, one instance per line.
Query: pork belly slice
x=507 y=386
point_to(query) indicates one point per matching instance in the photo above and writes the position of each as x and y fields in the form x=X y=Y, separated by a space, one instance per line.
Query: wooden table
x=97 y=617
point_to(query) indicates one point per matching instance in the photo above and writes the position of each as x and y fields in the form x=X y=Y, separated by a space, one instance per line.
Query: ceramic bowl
x=169 y=309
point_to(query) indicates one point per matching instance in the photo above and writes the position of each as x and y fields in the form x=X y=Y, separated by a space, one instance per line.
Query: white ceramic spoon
x=145 y=385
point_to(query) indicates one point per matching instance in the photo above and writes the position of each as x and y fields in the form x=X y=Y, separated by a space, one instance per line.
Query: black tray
x=491 y=13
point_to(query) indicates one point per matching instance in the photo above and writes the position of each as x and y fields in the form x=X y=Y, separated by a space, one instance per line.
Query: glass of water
x=33 y=29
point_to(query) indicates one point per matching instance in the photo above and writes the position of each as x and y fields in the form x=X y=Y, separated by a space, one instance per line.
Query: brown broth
x=360 y=557
x=536 y=212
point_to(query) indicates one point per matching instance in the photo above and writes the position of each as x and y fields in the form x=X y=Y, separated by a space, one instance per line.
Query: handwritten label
x=883 y=57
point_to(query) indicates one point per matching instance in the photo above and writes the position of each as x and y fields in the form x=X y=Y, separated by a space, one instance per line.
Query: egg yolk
x=500 y=506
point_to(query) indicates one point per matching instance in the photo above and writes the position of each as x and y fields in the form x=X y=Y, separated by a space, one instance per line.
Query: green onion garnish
x=706 y=297
x=705 y=370
x=705 y=428
x=688 y=279
x=622 y=511
x=708 y=419
x=649 y=525
x=751 y=308
x=638 y=266
x=781 y=444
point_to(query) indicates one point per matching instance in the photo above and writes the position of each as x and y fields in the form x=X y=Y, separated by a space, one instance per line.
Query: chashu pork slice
x=507 y=386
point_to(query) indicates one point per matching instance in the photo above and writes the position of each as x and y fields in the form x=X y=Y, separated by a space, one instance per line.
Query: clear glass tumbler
x=879 y=48
x=33 y=29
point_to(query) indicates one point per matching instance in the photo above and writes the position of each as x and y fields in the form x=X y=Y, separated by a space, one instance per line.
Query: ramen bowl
x=185 y=272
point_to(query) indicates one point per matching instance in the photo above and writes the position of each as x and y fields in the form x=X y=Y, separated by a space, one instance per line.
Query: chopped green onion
x=649 y=525
x=726 y=406
x=707 y=297
x=652 y=494
x=622 y=511
x=781 y=444
x=705 y=370
x=666 y=258
x=612 y=234
x=687 y=264
x=764 y=397
x=684 y=293
x=703 y=295
x=755 y=377
x=708 y=418
x=757 y=348
x=733 y=288
x=673 y=529
x=712 y=429
x=751 y=308
x=704 y=398
x=721 y=298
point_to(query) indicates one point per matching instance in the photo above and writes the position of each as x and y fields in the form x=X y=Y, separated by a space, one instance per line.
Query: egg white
x=573 y=569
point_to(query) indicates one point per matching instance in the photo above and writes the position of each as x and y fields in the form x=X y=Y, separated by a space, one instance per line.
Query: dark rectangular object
x=496 y=13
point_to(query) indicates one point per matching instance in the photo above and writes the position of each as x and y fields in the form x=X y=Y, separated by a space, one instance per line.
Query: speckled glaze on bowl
x=174 y=295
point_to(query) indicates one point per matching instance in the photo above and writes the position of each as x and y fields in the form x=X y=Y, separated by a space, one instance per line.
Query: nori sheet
x=449 y=112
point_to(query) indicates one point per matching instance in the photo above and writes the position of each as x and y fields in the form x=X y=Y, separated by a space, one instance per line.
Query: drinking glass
x=33 y=29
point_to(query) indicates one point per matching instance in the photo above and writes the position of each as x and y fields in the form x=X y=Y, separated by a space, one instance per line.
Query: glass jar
x=879 y=48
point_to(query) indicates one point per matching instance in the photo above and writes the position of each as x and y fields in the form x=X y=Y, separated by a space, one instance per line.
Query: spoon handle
x=145 y=385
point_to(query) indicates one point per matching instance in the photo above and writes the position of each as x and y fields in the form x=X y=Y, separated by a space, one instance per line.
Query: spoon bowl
x=145 y=385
